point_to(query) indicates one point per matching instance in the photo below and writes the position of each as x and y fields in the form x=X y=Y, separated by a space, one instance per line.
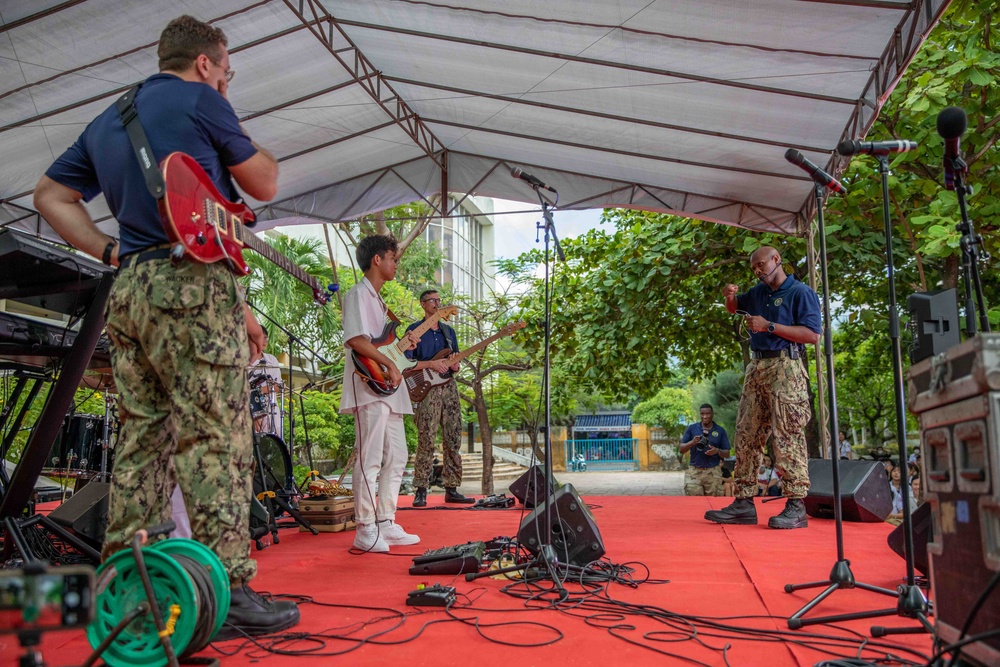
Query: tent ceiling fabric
x=681 y=106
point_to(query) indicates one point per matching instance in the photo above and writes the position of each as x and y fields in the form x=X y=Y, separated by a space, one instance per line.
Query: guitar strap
x=140 y=144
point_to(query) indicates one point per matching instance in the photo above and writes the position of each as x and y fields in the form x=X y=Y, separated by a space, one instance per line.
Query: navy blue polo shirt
x=793 y=303
x=433 y=341
x=177 y=115
x=717 y=437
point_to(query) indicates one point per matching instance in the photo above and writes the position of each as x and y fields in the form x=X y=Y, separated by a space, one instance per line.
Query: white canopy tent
x=683 y=106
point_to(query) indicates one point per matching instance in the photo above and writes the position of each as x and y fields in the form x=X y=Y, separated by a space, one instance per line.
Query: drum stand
x=110 y=412
x=270 y=498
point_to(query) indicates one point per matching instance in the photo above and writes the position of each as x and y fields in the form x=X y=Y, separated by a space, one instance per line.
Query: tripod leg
x=876 y=589
x=294 y=513
x=791 y=588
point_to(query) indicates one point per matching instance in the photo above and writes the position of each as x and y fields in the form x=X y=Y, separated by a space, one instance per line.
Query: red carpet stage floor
x=723 y=574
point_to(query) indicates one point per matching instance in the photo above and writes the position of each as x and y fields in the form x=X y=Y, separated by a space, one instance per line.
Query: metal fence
x=602 y=454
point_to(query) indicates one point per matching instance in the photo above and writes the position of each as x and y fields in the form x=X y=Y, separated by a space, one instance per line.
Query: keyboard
x=458 y=559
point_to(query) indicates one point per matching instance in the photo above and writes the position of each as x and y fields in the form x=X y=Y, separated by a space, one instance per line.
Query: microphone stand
x=970 y=256
x=841 y=577
x=547 y=556
x=292 y=339
x=911 y=602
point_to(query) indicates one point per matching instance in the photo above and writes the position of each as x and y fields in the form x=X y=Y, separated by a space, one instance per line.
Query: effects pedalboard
x=494 y=501
x=431 y=596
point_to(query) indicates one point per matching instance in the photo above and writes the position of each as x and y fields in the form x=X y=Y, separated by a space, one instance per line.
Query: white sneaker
x=367 y=538
x=394 y=534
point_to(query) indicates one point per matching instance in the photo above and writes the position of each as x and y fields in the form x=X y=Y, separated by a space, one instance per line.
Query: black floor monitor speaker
x=864 y=491
x=86 y=513
x=574 y=536
x=922 y=532
x=529 y=488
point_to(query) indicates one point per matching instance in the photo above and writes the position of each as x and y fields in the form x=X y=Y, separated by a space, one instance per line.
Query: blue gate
x=602 y=454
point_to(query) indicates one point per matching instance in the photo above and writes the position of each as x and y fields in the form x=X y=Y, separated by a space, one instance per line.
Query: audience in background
x=768 y=480
x=898 y=487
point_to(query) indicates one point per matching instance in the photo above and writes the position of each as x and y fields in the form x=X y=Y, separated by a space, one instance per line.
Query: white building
x=465 y=239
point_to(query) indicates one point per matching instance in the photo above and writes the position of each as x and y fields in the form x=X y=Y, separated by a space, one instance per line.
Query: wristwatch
x=770 y=327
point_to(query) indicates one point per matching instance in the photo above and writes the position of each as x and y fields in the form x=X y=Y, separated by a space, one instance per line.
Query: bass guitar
x=207 y=228
x=375 y=374
x=419 y=382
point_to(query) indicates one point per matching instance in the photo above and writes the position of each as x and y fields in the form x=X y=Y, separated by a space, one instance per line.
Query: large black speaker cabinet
x=864 y=491
x=574 y=536
x=529 y=488
x=86 y=513
x=920 y=518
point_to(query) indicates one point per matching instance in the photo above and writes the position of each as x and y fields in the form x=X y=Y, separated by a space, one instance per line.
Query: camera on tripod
x=36 y=599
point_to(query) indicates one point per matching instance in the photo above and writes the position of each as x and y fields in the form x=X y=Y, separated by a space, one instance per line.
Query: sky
x=515 y=233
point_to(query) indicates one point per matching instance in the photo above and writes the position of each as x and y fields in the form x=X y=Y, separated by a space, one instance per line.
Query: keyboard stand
x=36 y=451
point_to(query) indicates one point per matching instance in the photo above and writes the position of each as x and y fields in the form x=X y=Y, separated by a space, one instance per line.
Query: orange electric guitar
x=208 y=228
x=373 y=373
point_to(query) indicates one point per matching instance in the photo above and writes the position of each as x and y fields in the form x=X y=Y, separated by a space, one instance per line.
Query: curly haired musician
x=440 y=408
x=378 y=419
x=182 y=336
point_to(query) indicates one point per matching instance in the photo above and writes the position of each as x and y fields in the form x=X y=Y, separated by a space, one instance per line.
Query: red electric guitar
x=208 y=228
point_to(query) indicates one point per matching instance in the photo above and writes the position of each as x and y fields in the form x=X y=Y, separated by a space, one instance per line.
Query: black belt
x=141 y=256
x=790 y=352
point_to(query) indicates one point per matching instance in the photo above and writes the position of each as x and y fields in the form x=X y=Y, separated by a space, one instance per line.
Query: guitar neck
x=260 y=247
x=422 y=329
x=458 y=356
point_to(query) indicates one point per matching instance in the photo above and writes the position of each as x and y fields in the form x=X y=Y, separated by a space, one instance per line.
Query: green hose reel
x=184 y=573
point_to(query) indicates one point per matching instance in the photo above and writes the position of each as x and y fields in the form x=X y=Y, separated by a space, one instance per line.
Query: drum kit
x=84 y=449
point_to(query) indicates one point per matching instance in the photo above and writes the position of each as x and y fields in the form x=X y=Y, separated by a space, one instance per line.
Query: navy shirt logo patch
x=778 y=301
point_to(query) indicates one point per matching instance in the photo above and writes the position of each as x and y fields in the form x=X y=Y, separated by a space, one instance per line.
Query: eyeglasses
x=437 y=301
x=230 y=73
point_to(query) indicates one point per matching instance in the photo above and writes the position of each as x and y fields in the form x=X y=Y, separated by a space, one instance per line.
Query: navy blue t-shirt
x=433 y=341
x=717 y=437
x=793 y=303
x=177 y=115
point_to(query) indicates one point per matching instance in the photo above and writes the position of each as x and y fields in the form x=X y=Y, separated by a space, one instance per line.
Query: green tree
x=671 y=409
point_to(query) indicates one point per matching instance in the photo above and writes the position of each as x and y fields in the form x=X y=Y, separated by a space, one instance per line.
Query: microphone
x=951 y=124
x=814 y=172
x=848 y=147
x=768 y=274
x=517 y=172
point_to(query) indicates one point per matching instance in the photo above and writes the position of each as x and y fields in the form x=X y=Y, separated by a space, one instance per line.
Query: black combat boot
x=793 y=516
x=420 y=497
x=451 y=495
x=250 y=614
x=742 y=511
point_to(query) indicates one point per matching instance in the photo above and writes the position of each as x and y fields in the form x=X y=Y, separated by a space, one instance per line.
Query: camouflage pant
x=703 y=481
x=775 y=402
x=441 y=407
x=179 y=356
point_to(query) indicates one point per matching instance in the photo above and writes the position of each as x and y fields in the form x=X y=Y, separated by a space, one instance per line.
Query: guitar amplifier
x=960 y=441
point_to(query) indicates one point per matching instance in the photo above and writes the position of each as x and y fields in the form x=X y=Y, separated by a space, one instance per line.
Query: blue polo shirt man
x=440 y=409
x=708 y=444
x=782 y=315
x=182 y=335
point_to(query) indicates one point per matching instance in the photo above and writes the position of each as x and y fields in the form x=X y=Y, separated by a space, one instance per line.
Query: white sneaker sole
x=379 y=547
x=402 y=541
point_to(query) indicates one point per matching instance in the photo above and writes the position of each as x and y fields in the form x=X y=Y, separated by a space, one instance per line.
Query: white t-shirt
x=365 y=314
x=845 y=449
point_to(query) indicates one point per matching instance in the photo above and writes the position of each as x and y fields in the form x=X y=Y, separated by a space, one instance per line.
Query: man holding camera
x=708 y=444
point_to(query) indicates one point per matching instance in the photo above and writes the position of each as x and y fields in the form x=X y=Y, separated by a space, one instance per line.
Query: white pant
x=381 y=443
